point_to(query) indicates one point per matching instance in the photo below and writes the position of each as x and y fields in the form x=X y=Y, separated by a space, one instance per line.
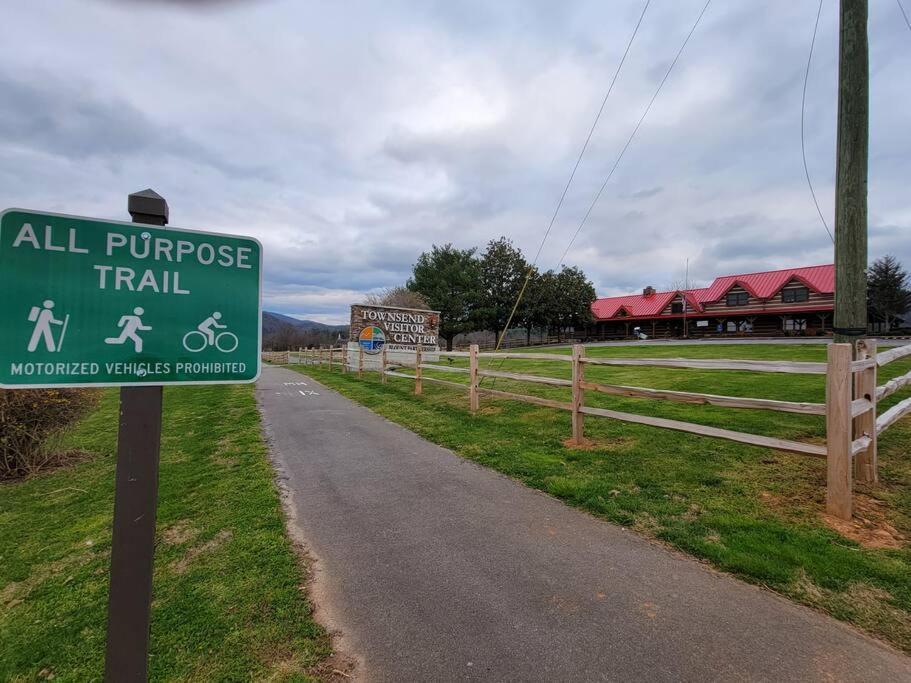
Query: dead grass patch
x=613 y=444
x=647 y=525
x=179 y=533
x=183 y=564
x=870 y=607
x=713 y=537
x=693 y=512
x=336 y=669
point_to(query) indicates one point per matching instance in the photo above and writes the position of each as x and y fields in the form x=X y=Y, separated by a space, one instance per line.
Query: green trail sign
x=87 y=302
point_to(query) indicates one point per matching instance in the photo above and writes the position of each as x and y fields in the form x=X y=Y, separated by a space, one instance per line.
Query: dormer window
x=795 y=295
x=738 y=298
x=677 y=307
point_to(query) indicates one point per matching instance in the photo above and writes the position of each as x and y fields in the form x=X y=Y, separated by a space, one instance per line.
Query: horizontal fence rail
x=893 y=385
x=534 y=379
x=444 y=368
x=717 y=432
x=528 y=356
x=887 y=357
x=797 y=367
x=713 y=399
x=860 y=445
x=850 y=410
x=893 y=415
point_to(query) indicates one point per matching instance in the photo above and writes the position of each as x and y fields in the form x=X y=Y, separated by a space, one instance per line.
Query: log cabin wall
x=794 y=301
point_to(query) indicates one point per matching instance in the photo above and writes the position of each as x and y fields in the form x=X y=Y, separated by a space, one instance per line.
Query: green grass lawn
x=229 y=600
x=750 y=511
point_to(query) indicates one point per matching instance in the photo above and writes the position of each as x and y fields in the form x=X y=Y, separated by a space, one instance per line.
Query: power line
x=904 y=14
x=803 y=107
x=571 y=176
x=591 y=131
x=635 y=130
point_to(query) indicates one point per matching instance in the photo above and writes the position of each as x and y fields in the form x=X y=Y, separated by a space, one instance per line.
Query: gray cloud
x=69 y=119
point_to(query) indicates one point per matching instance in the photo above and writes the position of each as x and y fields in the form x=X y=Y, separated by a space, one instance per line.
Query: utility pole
x=851 y=173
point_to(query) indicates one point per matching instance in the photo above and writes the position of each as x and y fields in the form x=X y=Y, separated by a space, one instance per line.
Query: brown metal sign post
x=135 y=506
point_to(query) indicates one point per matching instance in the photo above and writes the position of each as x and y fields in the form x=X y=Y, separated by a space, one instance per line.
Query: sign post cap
x=148 y=203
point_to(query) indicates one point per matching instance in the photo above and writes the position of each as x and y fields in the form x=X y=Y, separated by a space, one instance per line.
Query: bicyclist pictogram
x=205 y=336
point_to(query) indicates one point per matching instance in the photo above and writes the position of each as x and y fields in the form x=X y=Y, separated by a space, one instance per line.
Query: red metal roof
x=764 y=285
x=820 y=279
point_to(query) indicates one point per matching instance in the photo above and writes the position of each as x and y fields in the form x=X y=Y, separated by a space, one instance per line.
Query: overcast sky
x=350 y=136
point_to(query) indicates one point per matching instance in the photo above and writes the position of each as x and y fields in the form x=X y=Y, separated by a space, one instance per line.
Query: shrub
x=30 y=422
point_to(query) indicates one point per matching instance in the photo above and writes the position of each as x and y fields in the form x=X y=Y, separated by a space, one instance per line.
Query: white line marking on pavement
x=309 y=392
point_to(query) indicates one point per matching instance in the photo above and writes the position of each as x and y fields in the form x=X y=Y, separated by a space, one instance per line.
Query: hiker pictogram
x=43 y=331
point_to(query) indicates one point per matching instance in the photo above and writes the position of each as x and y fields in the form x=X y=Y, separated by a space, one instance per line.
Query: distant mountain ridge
x=272 y=322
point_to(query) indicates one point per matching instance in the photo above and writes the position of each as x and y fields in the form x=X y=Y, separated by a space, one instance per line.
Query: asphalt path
x=432 y=568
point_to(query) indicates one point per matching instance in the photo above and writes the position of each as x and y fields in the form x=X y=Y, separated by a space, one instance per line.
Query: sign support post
x=135 y=506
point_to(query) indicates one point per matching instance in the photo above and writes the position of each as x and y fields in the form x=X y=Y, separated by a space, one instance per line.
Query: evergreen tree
x=503 y=271
x=449 y=279
x=888 y=293
x=573 y=294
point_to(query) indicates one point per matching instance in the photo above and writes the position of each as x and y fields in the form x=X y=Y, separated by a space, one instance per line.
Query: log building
x=793 y=301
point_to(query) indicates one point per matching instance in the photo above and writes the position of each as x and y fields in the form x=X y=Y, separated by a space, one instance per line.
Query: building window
x=677 y=307
x=738 y=298
x=795 y=324
x=795 y=295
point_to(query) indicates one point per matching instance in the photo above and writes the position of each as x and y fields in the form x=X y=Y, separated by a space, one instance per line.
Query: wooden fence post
x=383 y=366
x=330 y=358
x=346 y=359
x=418 y=384
x=473 y=402
x=360 y=361
x=578 y=394
x=866 y=463
x=839 y=472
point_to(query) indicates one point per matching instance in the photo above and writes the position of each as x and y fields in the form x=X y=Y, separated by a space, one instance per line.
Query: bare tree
x=397 y=296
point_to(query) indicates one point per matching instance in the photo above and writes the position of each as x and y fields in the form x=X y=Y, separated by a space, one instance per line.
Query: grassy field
x=750 y=511
x=229 y=597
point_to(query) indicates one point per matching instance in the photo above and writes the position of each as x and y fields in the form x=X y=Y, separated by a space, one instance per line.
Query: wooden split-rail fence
x=852 y=423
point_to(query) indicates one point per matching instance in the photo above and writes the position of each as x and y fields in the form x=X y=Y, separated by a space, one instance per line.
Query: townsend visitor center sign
x=92 y=303
x=398 y=331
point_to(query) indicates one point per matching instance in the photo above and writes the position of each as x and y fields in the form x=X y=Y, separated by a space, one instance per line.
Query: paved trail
x=436 y=569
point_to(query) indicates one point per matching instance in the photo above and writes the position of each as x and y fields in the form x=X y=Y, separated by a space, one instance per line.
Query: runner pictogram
x=130 y=325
